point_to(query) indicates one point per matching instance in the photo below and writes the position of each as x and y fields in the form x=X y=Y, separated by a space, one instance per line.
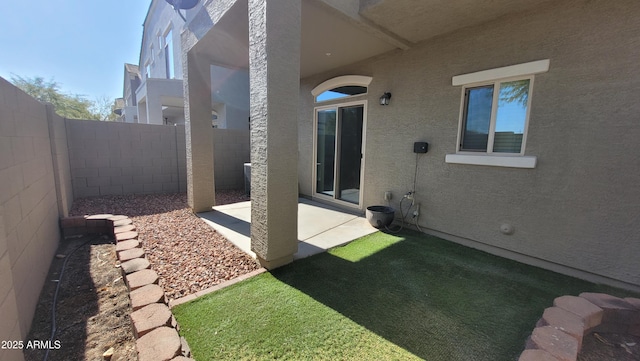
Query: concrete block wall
x=29 y=233
x=109 y=158
x=47 y=161
x=230 y=150
x=60 y=158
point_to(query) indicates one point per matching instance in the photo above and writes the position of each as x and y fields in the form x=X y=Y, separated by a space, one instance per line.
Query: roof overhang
x=336 y=33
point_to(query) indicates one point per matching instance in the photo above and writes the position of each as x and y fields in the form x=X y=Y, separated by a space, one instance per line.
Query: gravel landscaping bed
x=187 y=254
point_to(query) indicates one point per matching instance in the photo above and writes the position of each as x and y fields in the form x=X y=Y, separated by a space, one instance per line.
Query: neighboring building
x=160 y=94
x=127 y=109
x=529 y=107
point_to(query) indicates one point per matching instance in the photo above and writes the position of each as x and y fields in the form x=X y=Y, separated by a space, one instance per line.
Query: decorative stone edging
x=558 y=334
x=215 y=288
x=154 y=326
x=557 y=337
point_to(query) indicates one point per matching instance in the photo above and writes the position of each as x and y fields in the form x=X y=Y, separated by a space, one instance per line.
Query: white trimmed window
x=494 y=116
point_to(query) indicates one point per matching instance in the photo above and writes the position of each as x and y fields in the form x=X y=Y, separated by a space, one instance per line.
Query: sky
x=81 y=44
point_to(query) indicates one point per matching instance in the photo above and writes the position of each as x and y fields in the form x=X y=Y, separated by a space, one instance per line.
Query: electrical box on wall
x=420 y=147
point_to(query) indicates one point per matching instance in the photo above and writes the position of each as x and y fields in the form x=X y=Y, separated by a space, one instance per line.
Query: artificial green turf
x=382 y=297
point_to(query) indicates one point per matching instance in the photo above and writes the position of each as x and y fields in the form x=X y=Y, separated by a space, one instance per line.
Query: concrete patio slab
x=320 y=227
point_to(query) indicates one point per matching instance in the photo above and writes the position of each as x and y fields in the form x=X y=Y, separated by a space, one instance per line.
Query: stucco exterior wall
x=130 y=114
x=160 y=18
x=577 y=210
x=29 y=214
x=131 y=83
x=153 y=95
x=109 y=158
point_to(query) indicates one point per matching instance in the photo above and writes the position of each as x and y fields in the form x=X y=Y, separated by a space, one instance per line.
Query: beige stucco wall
x=155 y=93
x=29 y=231
x=579 y=207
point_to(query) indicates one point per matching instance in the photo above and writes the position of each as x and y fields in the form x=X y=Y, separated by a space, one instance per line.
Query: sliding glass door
x=338 y=152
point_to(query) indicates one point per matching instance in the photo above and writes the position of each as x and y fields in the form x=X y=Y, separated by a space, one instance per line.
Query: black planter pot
x=380 y=216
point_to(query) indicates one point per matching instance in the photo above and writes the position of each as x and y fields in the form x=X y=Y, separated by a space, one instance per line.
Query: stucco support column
x=142 y=112
x=154 y=108
x=274 y=72
x=199 y=133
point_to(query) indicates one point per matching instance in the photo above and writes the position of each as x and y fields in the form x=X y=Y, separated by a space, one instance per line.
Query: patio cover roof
x=337 y=33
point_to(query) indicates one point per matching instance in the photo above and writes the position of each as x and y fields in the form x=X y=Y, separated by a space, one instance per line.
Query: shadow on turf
x=434 y=298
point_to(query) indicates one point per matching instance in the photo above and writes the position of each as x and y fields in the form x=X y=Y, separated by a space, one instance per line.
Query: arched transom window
x=341 y=87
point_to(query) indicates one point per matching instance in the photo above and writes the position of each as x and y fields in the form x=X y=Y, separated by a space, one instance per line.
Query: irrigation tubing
x=54 y=327
x=402 y=217
x=412 y=193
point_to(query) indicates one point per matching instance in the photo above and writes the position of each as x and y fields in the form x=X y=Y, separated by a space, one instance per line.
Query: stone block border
x=154 y=326
x=558 y=334
x=557 y=337
x=215 y=288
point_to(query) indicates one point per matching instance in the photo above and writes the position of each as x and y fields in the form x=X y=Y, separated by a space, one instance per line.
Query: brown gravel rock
x=187 y=254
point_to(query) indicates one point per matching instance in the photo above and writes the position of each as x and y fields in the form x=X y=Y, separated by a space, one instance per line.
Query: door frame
x=314 y=165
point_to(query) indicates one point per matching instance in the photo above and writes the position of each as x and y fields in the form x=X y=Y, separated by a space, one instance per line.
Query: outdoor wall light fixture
x=384 y=99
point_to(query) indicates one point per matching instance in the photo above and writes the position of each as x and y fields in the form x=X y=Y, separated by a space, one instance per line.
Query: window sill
x=492 y=160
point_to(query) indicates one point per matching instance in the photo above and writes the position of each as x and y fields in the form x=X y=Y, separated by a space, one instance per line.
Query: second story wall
x=131 y=84
x=160 y=53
